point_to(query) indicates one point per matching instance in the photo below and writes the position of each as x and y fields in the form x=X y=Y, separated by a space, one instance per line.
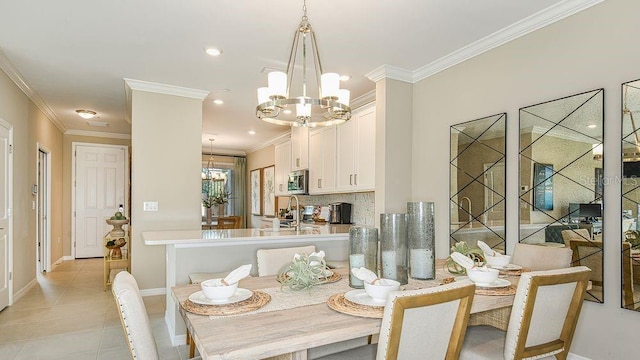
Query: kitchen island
x=189 y=251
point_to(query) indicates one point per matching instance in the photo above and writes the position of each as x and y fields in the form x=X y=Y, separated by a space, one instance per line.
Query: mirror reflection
x=630 y=196
x=477 y=182
x=561 y=179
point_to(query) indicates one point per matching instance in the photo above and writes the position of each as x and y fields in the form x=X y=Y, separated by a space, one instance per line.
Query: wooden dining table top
x=266 y=334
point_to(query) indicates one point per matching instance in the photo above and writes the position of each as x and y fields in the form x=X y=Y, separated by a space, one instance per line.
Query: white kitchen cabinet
x=299 y=148
x=322 y=160
x=356 y=146
x=283 y=167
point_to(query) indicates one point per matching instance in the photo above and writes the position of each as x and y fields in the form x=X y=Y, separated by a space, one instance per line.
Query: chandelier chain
x=304 y=10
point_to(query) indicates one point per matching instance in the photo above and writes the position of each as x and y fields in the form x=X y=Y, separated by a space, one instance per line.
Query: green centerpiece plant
x=474 y=254
x=303 y=272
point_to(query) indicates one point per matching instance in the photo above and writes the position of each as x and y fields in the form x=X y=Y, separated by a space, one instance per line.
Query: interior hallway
x=67 y=315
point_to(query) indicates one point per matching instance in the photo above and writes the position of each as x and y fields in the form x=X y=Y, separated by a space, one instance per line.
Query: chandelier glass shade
x=330 y=107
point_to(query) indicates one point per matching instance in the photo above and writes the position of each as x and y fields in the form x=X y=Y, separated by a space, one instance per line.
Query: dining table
x=305 y=320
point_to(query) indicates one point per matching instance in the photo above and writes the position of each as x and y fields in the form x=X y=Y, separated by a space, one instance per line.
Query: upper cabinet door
x=356 y=145
x=365 y=153
x=299 y=148
x=283 y=167
x=322 y=160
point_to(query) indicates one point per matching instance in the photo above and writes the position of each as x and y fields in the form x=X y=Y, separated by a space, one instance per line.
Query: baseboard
x=179 y=340
x=68 y=257
x=57 y=263
x=572 y=356
x=153 y=292
x=17 y=295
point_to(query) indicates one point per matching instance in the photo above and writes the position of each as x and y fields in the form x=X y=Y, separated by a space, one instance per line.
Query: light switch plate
x=150 y=206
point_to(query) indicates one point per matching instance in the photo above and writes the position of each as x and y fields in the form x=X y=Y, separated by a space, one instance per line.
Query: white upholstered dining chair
x=536 y=257
x=542 y=322
x=134 y=318
x=271 y=260
x=420 y=324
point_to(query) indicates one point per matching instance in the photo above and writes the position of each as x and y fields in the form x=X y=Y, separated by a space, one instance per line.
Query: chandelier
x=330 y=107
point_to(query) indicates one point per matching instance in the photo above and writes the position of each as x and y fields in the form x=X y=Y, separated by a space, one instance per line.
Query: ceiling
x=74 y=54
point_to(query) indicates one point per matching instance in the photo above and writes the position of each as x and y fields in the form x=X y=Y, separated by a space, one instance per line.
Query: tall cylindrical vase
x=420 y=233
x=363 y=252
x=393 y=247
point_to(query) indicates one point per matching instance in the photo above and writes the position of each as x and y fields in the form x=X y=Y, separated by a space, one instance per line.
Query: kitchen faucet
x=469 y=201
x=295 y=222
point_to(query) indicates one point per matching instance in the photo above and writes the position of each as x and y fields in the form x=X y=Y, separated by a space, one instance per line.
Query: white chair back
x=536 y=257
x=575 y=234
x=545 y=312
x=134 y=318
x=271 y=260
x=427 y=323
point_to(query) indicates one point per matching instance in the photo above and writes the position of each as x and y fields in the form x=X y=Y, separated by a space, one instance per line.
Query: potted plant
x=221 y=199
x=304 y=272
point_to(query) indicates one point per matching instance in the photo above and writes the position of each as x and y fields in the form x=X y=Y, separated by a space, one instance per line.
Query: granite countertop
x=244 y=236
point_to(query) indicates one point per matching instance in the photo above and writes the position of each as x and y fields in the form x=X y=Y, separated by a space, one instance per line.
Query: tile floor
x=69 y=316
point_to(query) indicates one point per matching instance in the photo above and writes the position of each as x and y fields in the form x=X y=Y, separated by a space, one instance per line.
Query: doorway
x=6 y=223
x=43 y=209
x=99 y=183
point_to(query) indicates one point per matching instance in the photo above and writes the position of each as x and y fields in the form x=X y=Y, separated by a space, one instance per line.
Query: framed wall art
x=268 y=191
x=256 y=191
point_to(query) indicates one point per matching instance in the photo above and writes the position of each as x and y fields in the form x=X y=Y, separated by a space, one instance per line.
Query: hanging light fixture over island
x=331 y=107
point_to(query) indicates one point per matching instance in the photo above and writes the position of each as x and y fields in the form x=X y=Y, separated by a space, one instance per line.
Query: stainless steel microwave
x=298 y=182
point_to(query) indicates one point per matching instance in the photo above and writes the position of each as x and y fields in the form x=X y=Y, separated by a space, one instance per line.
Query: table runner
x=283 y=298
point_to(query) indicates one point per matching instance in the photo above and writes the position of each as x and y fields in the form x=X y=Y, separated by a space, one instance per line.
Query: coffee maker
x=340 y=213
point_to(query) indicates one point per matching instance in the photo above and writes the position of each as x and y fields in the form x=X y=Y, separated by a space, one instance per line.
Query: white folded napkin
x=463 y=260
x=237 y=275
x=487 y=250
x=369 y=276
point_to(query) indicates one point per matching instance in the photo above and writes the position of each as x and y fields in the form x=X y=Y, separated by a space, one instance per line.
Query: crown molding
x=521 y=28
x=98 y=134
x=165 y=89
x=206 y=151
x=7 y=66
x=273 y=141
x=363 y=99
x=390 y=72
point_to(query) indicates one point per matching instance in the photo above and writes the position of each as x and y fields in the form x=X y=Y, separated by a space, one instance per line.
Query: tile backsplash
x=362 y=210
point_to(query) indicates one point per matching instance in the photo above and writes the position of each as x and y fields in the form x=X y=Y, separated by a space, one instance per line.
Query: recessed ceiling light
x=344 y=77
x=218 y=101
x=592 y=126
x=213 y=51
x=251 y=132
x=86 y=114
x=287 y=111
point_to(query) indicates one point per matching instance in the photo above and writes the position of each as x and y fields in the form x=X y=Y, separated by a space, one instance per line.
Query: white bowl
x=483 y=276
x=499 y=261
x=379 y=292
x=213 y=289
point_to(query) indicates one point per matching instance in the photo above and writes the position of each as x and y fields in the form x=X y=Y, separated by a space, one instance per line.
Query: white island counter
x=189 y=251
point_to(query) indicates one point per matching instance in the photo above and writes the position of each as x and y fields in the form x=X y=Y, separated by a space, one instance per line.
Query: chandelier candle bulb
x=330 y=84
x=277 y=81
x=393 y=244
x=263 y=94
x=420 y=238
x=363 y=252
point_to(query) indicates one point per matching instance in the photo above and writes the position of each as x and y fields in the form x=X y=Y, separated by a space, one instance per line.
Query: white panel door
x=5 y=249
x=99 y=191
x=345 y=155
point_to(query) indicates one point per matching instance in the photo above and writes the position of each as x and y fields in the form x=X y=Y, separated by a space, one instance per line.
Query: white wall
x=595 y=48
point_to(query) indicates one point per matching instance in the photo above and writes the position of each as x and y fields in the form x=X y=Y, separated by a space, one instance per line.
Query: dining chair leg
x=192 y=345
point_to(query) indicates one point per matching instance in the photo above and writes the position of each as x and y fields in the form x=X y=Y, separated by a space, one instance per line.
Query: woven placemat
x=338 y=303
x=331 y=279
x=507 y=290
x=255 y=302
x=514 y=272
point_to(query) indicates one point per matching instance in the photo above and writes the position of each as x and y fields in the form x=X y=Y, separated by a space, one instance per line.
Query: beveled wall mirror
x=477 y=182
x=630 y=196
x=561 y=179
